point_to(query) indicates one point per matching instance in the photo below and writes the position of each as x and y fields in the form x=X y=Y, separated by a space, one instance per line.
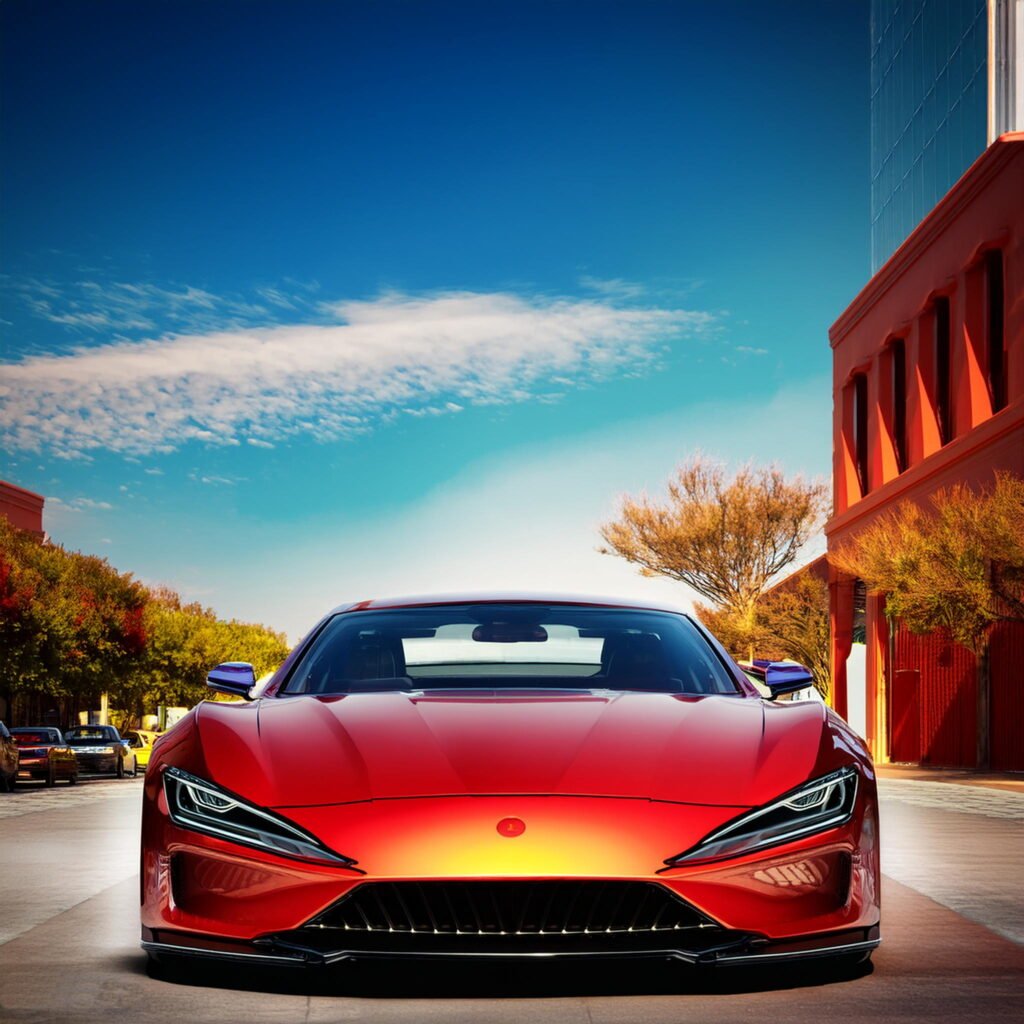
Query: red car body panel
x=723 y=750
x=412 y=787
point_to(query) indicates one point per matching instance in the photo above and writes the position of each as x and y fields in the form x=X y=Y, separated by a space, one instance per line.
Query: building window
x=860 y=612
x=942 y=393
x=898 y=383
x=860 y=429
x=995 y=313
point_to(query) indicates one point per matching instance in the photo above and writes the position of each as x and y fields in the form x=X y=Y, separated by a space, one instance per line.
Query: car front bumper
x=732 y=951
x=96 y=762
x=211 y=898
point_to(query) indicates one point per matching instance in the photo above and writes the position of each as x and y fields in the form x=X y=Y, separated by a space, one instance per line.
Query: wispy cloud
x=80 y=504
x=216 y=481
x=372 y=360
x=102 y=307
x=612 y=287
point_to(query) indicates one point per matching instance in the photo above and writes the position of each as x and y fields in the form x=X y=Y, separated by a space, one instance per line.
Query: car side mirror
x=785 y=677
x=236 y=678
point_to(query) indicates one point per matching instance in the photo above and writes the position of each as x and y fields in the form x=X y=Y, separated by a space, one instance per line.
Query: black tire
x=119 y=770
x=135 y=769
x=51 y=777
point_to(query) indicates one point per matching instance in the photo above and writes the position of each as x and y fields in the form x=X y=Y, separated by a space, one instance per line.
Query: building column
x=840 y=600
x=877 y=677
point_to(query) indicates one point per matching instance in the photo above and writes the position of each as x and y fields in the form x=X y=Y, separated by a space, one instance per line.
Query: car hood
x=305 y=751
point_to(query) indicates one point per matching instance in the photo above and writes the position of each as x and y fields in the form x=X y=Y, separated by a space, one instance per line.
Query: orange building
x=928 y=391
x=22 y=508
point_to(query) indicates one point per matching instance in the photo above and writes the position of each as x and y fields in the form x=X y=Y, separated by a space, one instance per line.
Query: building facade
x=928 y=391
x=945 y=82
x=22 y=508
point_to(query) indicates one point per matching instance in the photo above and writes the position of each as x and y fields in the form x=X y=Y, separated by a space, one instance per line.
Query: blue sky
x=305 y=302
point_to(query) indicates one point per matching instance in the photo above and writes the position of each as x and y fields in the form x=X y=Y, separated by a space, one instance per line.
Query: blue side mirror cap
x=236 y=678
x=784 y=676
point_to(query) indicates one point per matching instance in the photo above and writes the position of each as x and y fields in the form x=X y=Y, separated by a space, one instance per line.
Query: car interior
x=351 y=660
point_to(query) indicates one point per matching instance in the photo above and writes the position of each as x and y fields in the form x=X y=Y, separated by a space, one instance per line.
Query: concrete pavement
x=63 y=845
x=962 y=846
x=75 y=957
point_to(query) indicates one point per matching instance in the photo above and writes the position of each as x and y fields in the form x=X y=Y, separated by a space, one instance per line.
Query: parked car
x=45 y=756
x=9 y=757
x=99 y=748
x=509 y=777
x=141 y=741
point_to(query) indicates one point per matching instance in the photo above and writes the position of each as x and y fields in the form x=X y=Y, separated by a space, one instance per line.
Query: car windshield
x=504 y=646
x=28 y=738
x=97 y=734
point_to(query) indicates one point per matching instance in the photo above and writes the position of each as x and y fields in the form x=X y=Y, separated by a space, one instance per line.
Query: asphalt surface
x=953 y=929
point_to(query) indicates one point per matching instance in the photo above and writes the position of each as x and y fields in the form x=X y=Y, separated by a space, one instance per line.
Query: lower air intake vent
x=510 y=908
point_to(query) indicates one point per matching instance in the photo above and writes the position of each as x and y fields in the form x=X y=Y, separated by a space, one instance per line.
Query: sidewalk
x=1012 y=782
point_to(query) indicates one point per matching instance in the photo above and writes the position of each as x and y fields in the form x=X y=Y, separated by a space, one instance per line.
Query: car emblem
x=511 y=827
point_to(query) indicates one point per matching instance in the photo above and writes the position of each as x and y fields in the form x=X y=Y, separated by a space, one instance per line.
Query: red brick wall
x=23 y=508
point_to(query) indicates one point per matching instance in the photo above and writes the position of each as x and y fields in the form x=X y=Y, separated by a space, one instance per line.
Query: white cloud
x=258 y=443
x=375 y=360
x=614 y=287
x=79 y=504
x=154 y=471
x=216 y=481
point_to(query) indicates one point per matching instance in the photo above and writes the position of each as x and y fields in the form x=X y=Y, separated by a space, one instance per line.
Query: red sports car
x=509 y=776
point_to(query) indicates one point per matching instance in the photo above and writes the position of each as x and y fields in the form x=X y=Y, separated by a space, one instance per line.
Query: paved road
x=952 y=896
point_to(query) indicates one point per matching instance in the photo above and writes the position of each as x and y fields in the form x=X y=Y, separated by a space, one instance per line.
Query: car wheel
x=51 y=777
x=135 y=769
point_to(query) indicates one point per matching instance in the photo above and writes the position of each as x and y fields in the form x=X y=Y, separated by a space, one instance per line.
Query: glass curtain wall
x=929 y=109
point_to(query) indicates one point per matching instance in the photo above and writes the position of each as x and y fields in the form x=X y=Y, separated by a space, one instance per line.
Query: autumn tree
x=725 y=537
x=73 y=627
x=793 y=623
x=70 y=624
x=956 y=566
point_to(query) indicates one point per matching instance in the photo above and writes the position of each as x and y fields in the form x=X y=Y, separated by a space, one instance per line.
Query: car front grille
x=537 y=908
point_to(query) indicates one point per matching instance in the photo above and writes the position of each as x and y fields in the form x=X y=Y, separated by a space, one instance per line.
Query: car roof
x=505 y=597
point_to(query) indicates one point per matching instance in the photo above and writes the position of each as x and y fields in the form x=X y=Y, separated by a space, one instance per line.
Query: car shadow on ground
x=483 y=980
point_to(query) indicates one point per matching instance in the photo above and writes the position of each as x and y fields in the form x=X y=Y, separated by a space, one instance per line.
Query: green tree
x=185 y=641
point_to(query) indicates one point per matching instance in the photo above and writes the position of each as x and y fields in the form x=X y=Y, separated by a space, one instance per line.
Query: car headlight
x=199 y=805
x=813 y=807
